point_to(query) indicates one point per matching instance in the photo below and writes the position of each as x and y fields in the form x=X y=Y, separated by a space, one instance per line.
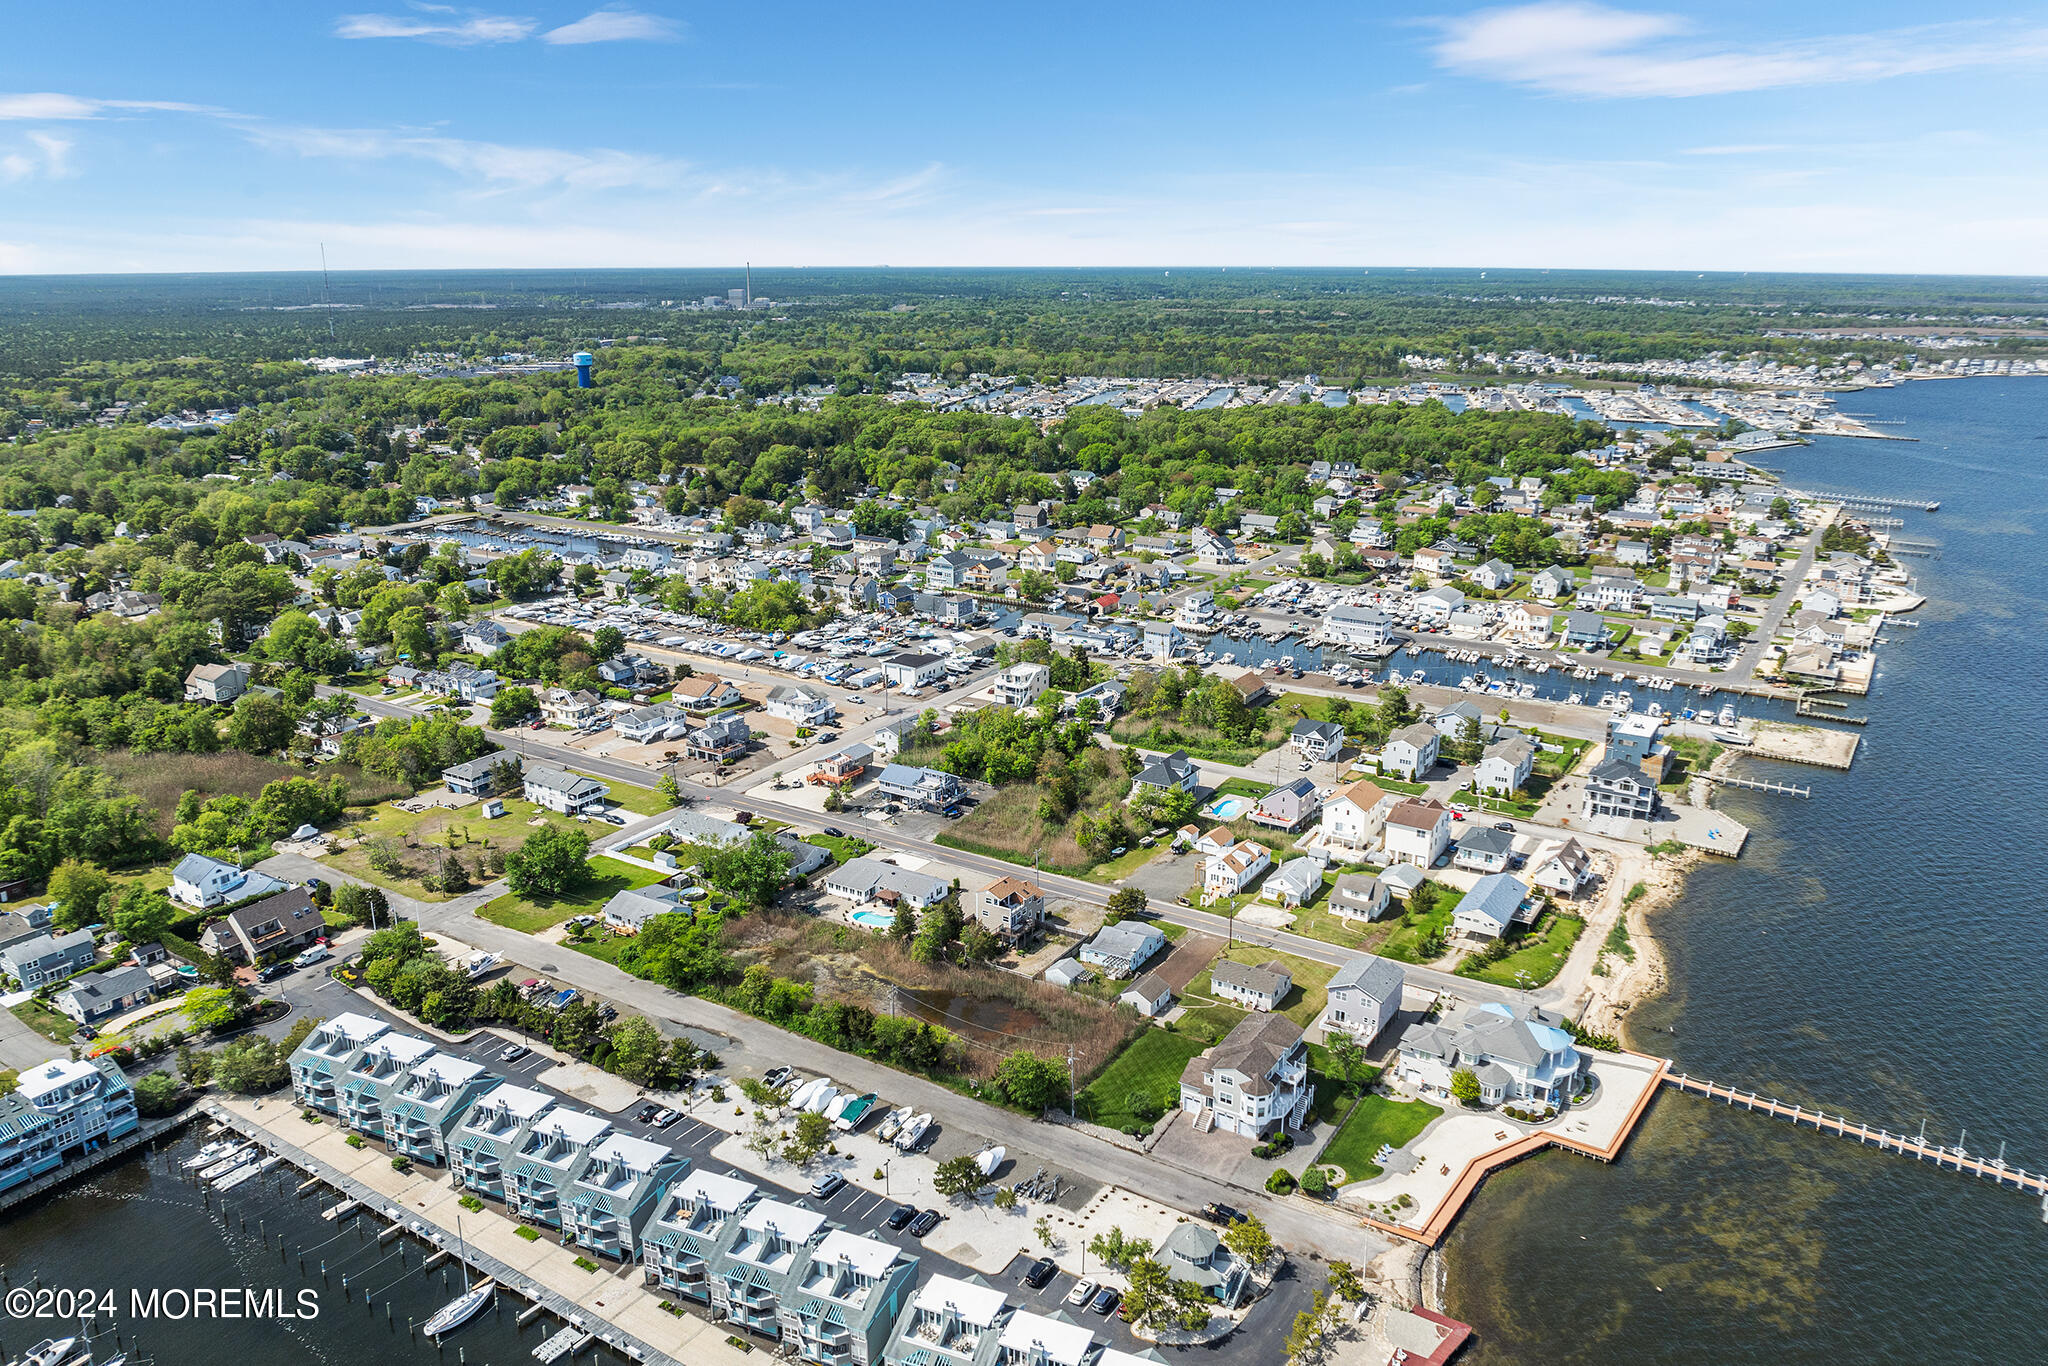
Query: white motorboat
x=802 y=1096
x=211 y=1153
x=50 y=1352
x=821 y=1098
x=988 y=1159
x=913 y=1131
x=228 y=1163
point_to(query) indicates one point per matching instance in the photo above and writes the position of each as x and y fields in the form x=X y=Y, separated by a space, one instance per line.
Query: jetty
x=1759 y=785
x=1955 y=1159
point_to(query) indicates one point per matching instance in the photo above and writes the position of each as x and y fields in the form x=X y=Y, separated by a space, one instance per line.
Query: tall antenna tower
x=750 y=284
x=326 y=294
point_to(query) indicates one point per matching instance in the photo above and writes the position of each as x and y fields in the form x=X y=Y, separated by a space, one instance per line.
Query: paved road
x=1753 y=653
x=21 y=1047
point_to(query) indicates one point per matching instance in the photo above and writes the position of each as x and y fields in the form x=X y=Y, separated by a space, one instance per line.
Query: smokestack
x=750 y=284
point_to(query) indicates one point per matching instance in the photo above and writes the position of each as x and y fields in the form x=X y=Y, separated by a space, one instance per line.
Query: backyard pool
x=1228 y=808
x=873 y=920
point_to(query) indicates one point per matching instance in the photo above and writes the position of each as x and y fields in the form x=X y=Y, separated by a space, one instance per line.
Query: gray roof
x=1616 y=770
x=1514 y=749
x=1167 y=770
x=107 y=986
x=1375 y=977
x=1496 y=896
x=1485 y=839
x=560 y=780
x=1359 y=887
x=701 y=829
x=1418 y=735
x=1130 y=940
x=1267 y=979
x=1151 y=986
x=1329 y=730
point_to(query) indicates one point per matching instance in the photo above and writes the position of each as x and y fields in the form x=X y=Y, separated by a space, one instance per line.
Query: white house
x=1149 y=995
x=1317 y=741
x=862 y=880
x=1121 y=949
x=1295 y=882
x=1494 y=575
x=202 y=882
x=1417 y=831
x=1352 y=819
x=1022 y=684
x=1506 y=765
x=571 y=794
x=1230 y=872
x=800 y=703
x=1252 y=1083
x=1361 y=628
x=1551 y=584
x=1518 y=1056
x=1564 y=868
x=1495 y=903
x=1411 y=751
x=1255 y=988
x=1360 y=896
x=1364 y=996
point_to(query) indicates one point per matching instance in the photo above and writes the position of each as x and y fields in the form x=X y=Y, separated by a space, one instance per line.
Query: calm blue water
x=1876 y=952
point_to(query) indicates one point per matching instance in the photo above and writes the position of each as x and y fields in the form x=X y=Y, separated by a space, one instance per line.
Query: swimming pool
x=874 y=920
x=1228 y=808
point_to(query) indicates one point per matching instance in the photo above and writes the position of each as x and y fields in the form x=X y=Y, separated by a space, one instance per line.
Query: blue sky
x=1817 y=136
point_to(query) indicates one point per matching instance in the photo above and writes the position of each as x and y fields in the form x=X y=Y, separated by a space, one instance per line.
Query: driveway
x=21 y=1047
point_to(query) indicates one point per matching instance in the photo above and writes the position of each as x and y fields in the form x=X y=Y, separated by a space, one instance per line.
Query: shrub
x=528 y=1232
x=1280 y=1182
x=354 y=1140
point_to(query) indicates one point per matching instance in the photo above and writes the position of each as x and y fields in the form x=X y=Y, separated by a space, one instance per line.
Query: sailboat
x=465 y=1306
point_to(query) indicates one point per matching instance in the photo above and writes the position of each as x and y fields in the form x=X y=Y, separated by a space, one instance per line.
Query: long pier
x=1950 y=1159
x=1879 y=502
x=1759 y=785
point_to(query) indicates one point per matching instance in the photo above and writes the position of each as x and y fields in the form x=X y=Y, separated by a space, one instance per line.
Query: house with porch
x=1519 y=1056
x=695 y=1223
x=615 y=1193
x=1260 y=987
x=570 y=794
x=1253 y=1083
x=1417 y=831
x=1411 y=751
x=1364 y=996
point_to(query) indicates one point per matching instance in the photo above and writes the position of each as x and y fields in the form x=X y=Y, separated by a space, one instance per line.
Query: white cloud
x=496 y=165
x=616 y=26
x=50 y=107
x=1738 y=149
x=44 y=156
x=438 y=24
x=1567 y=47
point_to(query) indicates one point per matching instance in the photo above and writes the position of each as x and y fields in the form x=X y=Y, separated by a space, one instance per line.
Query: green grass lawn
x=1304 y=1001
x=1377 y=1120
x=1541 y=954
x=1241 y=787
x=1404 y=941
x=1396 y=785
x=641 y=801
x=45 y=1021
x=843 y=848
x=1116 y=869
x=431 y=827
x=607 y=877
x=1149 y=1067
x=1320 y=922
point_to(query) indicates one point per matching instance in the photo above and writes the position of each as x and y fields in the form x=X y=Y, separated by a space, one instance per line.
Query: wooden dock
x=1811 y=706
x=1950 y=1159
x=1759 y=785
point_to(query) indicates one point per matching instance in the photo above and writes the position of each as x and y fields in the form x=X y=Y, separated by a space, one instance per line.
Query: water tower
x=584 y=360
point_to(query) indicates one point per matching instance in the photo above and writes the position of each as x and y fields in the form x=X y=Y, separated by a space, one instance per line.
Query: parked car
x=319 y=953
x=898 y=1217
x=646 y=1112
x=835 y=832
x=924 y=1223
x=665 y=1118
x=514 y=1053
x=1040 y=1273
x=1082 y=1292
x=1105 y=1300
x=273 y=972
x=1508 y=826
x=827 y=1186
x=1221 y=1214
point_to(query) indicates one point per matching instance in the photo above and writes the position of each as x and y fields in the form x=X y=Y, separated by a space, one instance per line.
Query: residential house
x=694 y=827
x=570 y=794
x=326 y=1055
x=1317 y=741
x=1353 y=818
x=45 y=958
x=478 y=777
x=949 y=1322
x=630 y=908
x=1417 y=831
x=842 y=1299
x=1163 y=640
x=1040 y=557
x=1022 y=684
x=695 y=1223
x=703 y=692
x=1121 y=949
x=1254 y=988
x=1173 y=772
x=219 y=684
x=1364 y=996
x=862 y=880
x=485 y=1147
x=564 y=707
x=1295 y=882
x=1411 y=751
x=1519 y=1056
x=1010 y=908
x=1632 y=553
x=1505 y=767
x=1359 y=896
x=1617 y=787
x=1149 y=995
x=281 y=925
x=484 y=637
x=1585 y=631
x=1494 y=575
x=1253 y=1083
x=615 y=1193
x=1483 y=849
x=422 y=1111
x=927 y=789
x=1233 y=870
x=1438 y=564
x=1358 y=628
x=1609 y=592
x=203 y=883
x=646 y=725
x=720 y=739
x=1529 y=624
x=1289 y=806
x=59 y=1110
x=1495 y=903
x=800 y=703
x=1192 y=1252
x=1564 y=868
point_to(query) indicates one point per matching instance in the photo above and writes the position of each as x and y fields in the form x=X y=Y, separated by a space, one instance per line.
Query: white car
x=1082 y=1292
x=319 y=953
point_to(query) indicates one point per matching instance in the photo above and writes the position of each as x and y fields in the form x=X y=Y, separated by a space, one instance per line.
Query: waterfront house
x=551 y=1153
x=44 y=958
x=760 y=1263
x=1353 y=818
x=558 y=790
x=60 y=1110
x=1260 y=987
x=1192 y=1252
x=1417 y=831
x=1411 y=751
x=1254 y=1082
x=696 y=1221
x=1585 y=631
x=948 y=1322
x=1359 y=896
x=374 y=1074
x=324 y=1057
x=842 y=1302
x=1121 y=949
x=1494 y=904
x=487 y=1141
x=1617 y=787
x=1364 y=996
x=1564 y=868
x=615 y=1193
x=422 y=1111
x=1358 y=628
x=1519 y=1056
